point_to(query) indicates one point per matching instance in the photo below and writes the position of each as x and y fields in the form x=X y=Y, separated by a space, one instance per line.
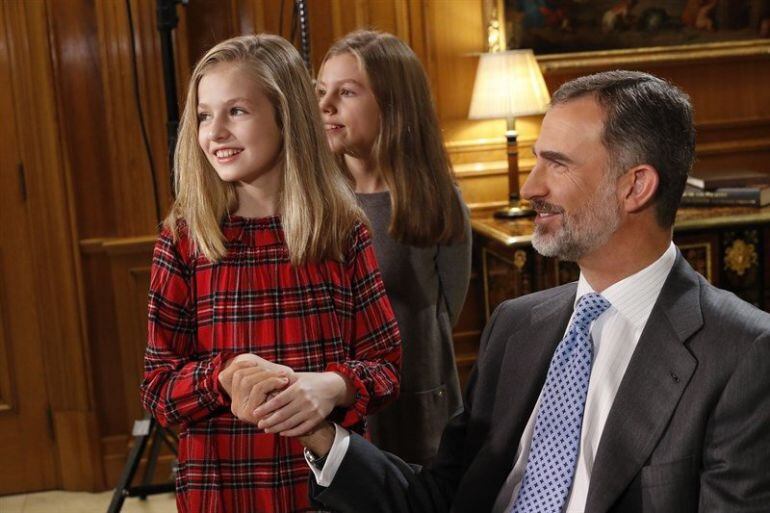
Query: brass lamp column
x=514 y=208
x=509 y=84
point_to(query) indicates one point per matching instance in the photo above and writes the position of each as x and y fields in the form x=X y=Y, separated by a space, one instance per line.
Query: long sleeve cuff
x=221 y=397
x=325 y=475
x=357 y=412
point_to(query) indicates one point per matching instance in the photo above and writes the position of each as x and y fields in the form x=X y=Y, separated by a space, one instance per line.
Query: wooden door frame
x=55 y=250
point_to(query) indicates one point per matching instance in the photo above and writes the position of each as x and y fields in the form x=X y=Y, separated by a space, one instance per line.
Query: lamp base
x=514 y=210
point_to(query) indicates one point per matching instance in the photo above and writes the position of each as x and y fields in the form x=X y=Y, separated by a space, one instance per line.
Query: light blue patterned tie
x=556 y=439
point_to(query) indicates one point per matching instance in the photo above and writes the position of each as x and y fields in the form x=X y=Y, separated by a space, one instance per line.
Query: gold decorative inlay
x=520 y=259
x=740 y=257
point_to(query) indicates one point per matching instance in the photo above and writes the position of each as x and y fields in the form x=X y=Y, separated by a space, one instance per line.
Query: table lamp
x=509 y=84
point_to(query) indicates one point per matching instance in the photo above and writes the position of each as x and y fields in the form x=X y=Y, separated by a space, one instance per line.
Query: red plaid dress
x=325 y=316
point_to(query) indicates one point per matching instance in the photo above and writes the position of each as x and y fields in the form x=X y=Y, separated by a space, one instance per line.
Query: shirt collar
x=634 y=296
x=253 y=231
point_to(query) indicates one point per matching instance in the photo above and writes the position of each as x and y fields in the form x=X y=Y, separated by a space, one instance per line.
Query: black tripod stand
x=148 y=428
x=167 y=22
x=144 y=431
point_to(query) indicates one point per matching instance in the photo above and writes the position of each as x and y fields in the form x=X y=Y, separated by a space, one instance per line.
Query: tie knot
x=589 y=307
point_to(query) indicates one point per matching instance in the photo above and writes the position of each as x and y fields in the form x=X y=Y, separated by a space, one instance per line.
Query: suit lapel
x=525 y=364
x=657 y=375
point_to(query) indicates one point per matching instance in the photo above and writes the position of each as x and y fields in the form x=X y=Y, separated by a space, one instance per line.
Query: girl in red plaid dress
x=263 y=271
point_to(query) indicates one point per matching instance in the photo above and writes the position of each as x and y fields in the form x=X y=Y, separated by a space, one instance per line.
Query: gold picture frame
x=496 y=29
x=565 y=62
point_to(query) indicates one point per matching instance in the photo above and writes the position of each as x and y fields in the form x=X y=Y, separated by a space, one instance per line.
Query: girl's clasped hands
x=279 y=400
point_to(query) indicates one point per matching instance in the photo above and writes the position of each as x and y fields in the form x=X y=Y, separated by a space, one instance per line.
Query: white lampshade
x=508 y=84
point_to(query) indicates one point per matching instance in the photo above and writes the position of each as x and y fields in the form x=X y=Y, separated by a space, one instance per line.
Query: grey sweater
x=427 y=288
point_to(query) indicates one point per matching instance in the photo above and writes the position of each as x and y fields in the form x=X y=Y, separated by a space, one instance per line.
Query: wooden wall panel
x=150 y=81
x=131 y=276
x=133 y=186
x=107 y=368
x=52 y=213
x=94 y=65
x=119 y=290
x=48 y=205
x=722 y=90
x=75 y=54
x=456 y=31
x=332 y=19
x=208 y=22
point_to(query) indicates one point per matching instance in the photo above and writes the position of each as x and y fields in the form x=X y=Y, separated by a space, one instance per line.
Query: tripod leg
x=152 y=460
x=142 y=430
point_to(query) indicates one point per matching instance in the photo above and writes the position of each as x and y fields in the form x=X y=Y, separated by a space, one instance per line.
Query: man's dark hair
x=648 y=121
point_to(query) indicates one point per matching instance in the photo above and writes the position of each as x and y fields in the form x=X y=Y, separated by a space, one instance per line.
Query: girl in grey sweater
x=381 y=122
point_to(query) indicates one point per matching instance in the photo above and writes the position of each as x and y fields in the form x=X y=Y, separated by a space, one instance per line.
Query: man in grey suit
x=641 y=388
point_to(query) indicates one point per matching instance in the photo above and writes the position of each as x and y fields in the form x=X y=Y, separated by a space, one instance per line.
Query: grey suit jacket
x=689 y=429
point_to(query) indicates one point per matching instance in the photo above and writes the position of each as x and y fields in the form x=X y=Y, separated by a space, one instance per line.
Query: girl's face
x=236 y=126
x=349 y=109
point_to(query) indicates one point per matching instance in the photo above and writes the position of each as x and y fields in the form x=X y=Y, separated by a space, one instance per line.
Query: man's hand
x=304 y=404
x=250 y=387
x=246 y=361
x=320 y=440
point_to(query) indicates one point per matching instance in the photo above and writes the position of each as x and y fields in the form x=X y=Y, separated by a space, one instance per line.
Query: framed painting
x=585 y=32
x=559 y=26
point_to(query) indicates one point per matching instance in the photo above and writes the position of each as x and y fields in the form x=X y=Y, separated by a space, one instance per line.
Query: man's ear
x=640 y=188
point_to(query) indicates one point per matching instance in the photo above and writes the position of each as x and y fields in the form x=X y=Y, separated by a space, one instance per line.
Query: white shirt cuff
x=325 y=476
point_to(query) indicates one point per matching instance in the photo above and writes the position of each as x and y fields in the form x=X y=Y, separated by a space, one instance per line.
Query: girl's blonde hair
x=409 y=150
x=317 y=207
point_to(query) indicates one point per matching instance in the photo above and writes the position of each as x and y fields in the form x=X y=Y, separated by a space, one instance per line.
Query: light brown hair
x=316 y=205
x=409 y=150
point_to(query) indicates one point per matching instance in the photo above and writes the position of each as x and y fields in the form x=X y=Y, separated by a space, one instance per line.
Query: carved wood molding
x=118 y=245
x=479 y=169
x=6 y=379
x=739 y=146
x=483 y=144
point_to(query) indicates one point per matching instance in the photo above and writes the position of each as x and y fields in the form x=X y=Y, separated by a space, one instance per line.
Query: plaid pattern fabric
x=315 y=317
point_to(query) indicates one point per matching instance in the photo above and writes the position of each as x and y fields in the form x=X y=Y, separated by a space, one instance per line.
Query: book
x=727 y=197
x=720 y=179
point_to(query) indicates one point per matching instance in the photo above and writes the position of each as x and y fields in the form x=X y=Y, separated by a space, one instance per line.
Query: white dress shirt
x=615 y=334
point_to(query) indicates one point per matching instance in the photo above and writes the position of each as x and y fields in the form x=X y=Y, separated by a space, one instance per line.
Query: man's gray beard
x=589 y=228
